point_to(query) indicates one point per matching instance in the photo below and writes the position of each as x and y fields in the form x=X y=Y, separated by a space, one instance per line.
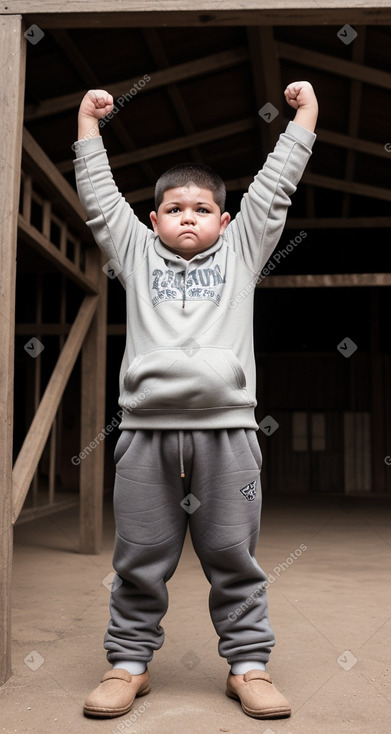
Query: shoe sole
x=106 y=714
x=272 y=713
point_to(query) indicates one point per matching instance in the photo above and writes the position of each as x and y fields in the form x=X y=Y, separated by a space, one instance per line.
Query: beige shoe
x=258 y=695
x=116 y=692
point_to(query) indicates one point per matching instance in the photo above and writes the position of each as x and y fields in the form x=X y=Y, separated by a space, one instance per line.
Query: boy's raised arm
x=115 y=226
x=255 y=231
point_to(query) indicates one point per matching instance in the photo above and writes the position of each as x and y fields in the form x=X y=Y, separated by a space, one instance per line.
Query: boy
x=188 y=450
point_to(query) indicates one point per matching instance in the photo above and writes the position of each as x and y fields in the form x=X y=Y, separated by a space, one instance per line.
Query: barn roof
x=194 y=93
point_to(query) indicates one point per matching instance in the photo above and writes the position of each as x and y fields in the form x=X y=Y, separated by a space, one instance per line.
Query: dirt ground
x=330 y=610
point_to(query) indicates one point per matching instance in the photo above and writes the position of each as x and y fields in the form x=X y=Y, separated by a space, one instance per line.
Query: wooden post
x=93 y=391
x=378 y=422
x=12 y=65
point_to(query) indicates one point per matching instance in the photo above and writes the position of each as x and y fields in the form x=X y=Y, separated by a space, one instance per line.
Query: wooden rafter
x=338 y=223
x=76 y=58
x=169 y=146
x=152 y=39
x=334 y=65
x=266 y=78
x=335 y=184
x=177 y=73
x=358 y=54
x=324 y=182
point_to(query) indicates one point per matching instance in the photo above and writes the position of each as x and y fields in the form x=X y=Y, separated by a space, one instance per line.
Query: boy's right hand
x=97 y=103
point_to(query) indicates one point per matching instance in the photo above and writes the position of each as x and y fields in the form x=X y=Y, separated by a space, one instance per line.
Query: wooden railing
x=51 y=222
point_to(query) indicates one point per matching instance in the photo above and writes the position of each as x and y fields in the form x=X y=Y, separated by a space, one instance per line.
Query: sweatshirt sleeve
x=116 y=228
x=257 y=228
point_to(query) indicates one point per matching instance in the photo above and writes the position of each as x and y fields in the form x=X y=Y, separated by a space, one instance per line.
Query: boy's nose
x=188 y=216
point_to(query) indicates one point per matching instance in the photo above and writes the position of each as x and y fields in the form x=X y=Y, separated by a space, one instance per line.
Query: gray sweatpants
x=152 y=509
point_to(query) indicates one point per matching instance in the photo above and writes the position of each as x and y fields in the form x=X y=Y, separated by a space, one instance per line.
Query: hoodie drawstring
x=180 y=448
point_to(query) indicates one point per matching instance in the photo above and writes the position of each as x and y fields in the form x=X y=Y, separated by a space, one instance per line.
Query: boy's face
x=188 y=220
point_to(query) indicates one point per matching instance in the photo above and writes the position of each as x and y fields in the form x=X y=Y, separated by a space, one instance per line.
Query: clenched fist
x=97 y=103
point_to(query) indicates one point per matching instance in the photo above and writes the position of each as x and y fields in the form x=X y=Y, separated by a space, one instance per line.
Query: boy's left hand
x=300 y=94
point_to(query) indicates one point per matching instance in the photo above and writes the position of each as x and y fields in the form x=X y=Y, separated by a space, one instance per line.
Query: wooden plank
x=378 y=405
x=358 y=56
x=338 y=223
x=50 y=252
x=361 y=189
x=177 y=73
x=137 y=13
x=335 y=280
x=148 y=6
x=93 y=403
x=334 y=65
x=33 y=513
x=42 y=329
x=34 y=443
x=350 y=142
x=27 y=191
x=181 y=143
x=52 y=182
x=12 y=64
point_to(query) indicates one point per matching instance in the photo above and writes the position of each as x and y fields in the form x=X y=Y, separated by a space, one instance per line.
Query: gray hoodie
x=189 y=356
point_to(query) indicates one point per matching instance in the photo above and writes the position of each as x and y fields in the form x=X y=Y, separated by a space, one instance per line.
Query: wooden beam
x=12 y=64
x=47 y=175
x=358 y=56
x=352 y=143
x=334 y=65
x=143 y=13
x=93 y=408
x=169 y=146
x=325 y=182
x=335 y=280
x=50 y=252
x=34 y=443
x=338 y=223
x=335 y=184
x=42 y=329
x=177 y=73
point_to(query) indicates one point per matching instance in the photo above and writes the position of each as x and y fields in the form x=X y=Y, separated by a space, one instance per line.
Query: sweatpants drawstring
x=180 y=446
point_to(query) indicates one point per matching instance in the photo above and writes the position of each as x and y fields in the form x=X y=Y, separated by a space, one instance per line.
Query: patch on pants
x=249 y=491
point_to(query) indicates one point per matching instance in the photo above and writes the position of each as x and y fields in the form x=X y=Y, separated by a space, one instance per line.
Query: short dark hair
x=184 y=174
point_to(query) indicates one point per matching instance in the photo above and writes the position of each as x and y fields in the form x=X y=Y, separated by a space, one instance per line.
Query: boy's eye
x=175 y=209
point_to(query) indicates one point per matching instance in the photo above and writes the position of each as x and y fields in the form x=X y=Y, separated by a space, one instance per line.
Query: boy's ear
x=153 y=218
x=224 y=221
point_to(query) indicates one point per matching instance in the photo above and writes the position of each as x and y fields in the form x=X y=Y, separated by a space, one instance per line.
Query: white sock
x=134 y=667
x=243 y=666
